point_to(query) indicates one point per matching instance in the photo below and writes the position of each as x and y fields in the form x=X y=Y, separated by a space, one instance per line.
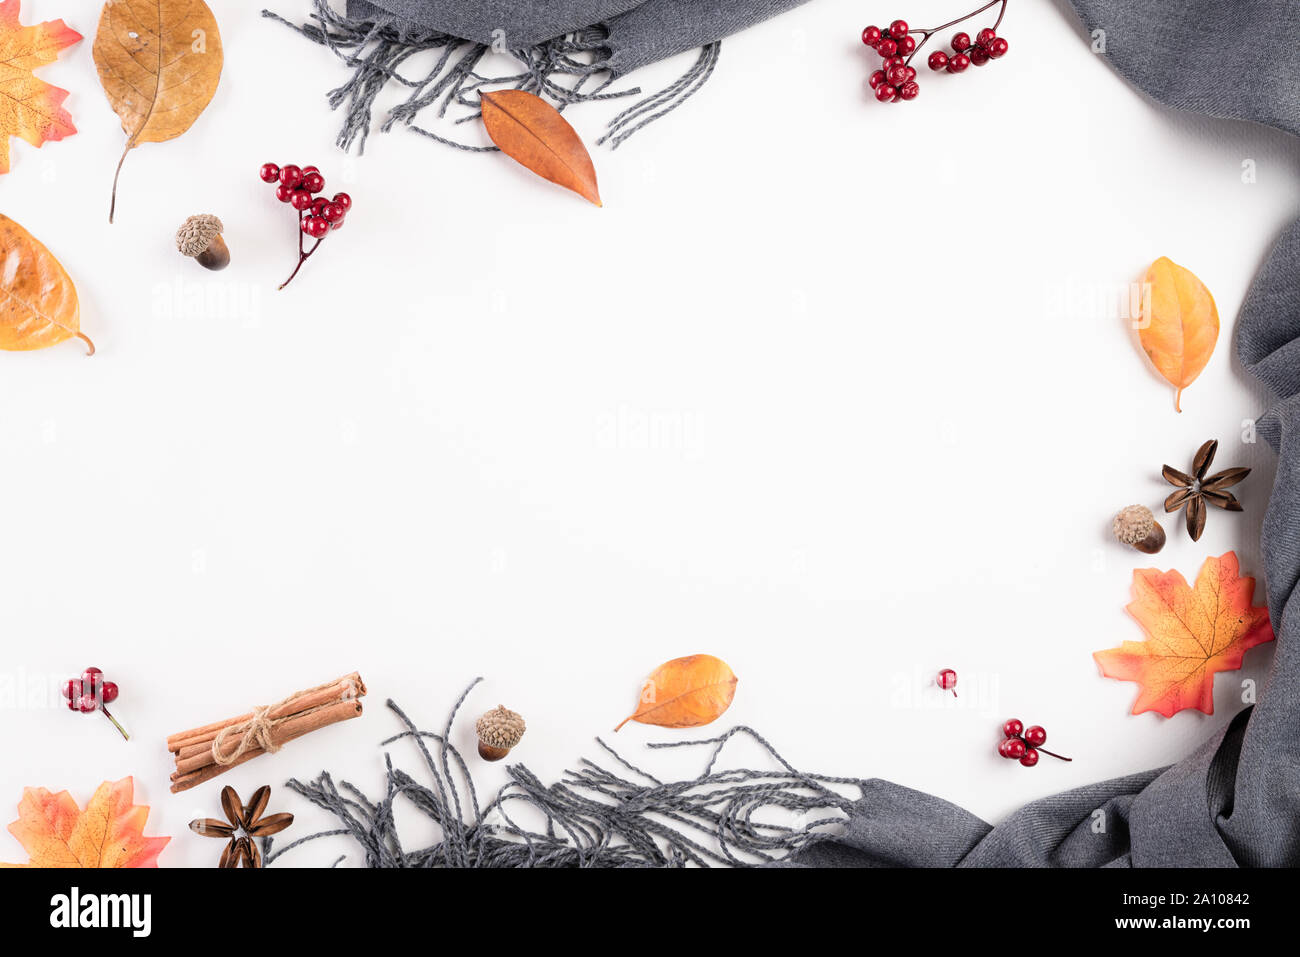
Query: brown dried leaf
x=1224 y=500
x=534 y=134
x=1175 y=477
x=159 y=62
x=1204 y=458
x=685 y=693
x=1178 y=499
x=230 y=805
x=38 y=301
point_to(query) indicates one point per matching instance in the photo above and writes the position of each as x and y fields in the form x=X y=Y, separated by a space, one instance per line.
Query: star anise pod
x=1197 y=490
x=241 y=850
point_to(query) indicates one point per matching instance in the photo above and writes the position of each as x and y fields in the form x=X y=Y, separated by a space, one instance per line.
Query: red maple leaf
x=30 y=108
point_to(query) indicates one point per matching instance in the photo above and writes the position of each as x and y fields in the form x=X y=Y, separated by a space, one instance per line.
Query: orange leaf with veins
x=1192 y=633
x=108 y=833
x=30 y=108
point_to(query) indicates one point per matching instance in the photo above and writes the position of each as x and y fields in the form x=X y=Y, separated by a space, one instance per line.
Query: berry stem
x=952 y=23
x=110 y=717
x=303 y=256
x=1053 y=754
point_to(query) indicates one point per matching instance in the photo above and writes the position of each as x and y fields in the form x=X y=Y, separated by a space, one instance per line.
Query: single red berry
x=300 y=200
x=959 y=63
x=1029 y=758
x=886 y=93
x=1012 y=748
x=979 y=56
x=911 y=73
x=897 y=75
x=891 y=62
x=315 y=227
x=109 y=692
x=284 y=193
x=910 y=90
x=1002 y=748
x=310 y=169
x=876 y=78
x=985 y=36
x=906 y=45
x=887 y=48
x=344 y=200
x=1036 y=736
x=91 y=679
x=1012 y=728
x=898 y=29
x=86 y=704
x=332 y=213
x=270 y=173
x=313 y=182
x=72 y=689
x=961 y=42
x=938 y=60
x=998 y=48
x=338 y=225
x=871 y=36
x=290 y=176
x=947 y=680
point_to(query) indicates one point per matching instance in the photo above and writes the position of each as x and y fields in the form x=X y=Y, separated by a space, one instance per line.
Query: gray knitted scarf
x=571 y=51
x=1236 y=801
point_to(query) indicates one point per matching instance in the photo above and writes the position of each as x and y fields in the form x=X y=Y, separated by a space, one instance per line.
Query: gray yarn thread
x=593 y=816
x=375 y=51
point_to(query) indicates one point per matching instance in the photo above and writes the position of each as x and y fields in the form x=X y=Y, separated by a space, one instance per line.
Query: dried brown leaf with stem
x=159 y=62
x=534 y=134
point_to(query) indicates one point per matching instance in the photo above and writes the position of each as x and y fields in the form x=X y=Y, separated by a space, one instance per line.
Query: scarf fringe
x=557 y=69
x=593 y=817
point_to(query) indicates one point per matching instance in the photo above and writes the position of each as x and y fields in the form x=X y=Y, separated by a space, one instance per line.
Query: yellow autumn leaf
x=685 y=693
x=1179 y=324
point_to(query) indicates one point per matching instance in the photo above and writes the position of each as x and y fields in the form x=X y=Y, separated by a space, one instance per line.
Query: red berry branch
x=317 y=216
x=90 y=693
x=1025 y=744
x=898 y=45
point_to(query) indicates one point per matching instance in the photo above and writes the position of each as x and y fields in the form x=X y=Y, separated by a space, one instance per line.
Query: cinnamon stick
x=200 y=755
x=183 y=780
x=347 y=687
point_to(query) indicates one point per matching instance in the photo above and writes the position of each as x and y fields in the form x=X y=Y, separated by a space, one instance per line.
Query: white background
x=836 y=391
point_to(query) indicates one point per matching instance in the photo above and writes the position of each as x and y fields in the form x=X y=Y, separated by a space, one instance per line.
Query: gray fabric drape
x=1236 y=801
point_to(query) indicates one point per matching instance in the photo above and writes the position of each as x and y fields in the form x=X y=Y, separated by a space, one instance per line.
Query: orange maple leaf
x=1191 y=635
x=108 y=833
x=30 y=108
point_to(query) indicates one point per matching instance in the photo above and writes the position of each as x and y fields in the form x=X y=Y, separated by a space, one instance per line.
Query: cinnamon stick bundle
x=203 y=753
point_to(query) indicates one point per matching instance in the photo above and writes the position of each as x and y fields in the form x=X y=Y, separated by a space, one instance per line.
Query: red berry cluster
x=1024 y=744
x=317 y=216
x=90 y=693
x=987 y=46
x=895 y=81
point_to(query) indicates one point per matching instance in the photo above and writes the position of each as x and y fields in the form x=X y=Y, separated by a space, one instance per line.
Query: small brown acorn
x=498 y=730
x=1136 y=526
x=200 y=238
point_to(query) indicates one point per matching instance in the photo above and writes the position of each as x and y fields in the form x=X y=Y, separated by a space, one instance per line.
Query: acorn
x=1136 y=526
x=200 y=238
x=499 y=730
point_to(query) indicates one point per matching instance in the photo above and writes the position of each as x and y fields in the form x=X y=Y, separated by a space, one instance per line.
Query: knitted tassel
x=593 y=818
x=558 y=69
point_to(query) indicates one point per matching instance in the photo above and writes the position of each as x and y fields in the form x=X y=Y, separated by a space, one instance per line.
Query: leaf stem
x=90 y=346
x=112 y=206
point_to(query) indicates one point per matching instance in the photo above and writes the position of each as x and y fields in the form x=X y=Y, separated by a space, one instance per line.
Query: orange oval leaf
x=38 y=301
x=685 y=693
x=1179 y=325
x=534 y=134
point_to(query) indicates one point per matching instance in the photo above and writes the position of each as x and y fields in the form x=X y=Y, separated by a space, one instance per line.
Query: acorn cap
x=197 y=234
x=1133 y=524
x=500 y=727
